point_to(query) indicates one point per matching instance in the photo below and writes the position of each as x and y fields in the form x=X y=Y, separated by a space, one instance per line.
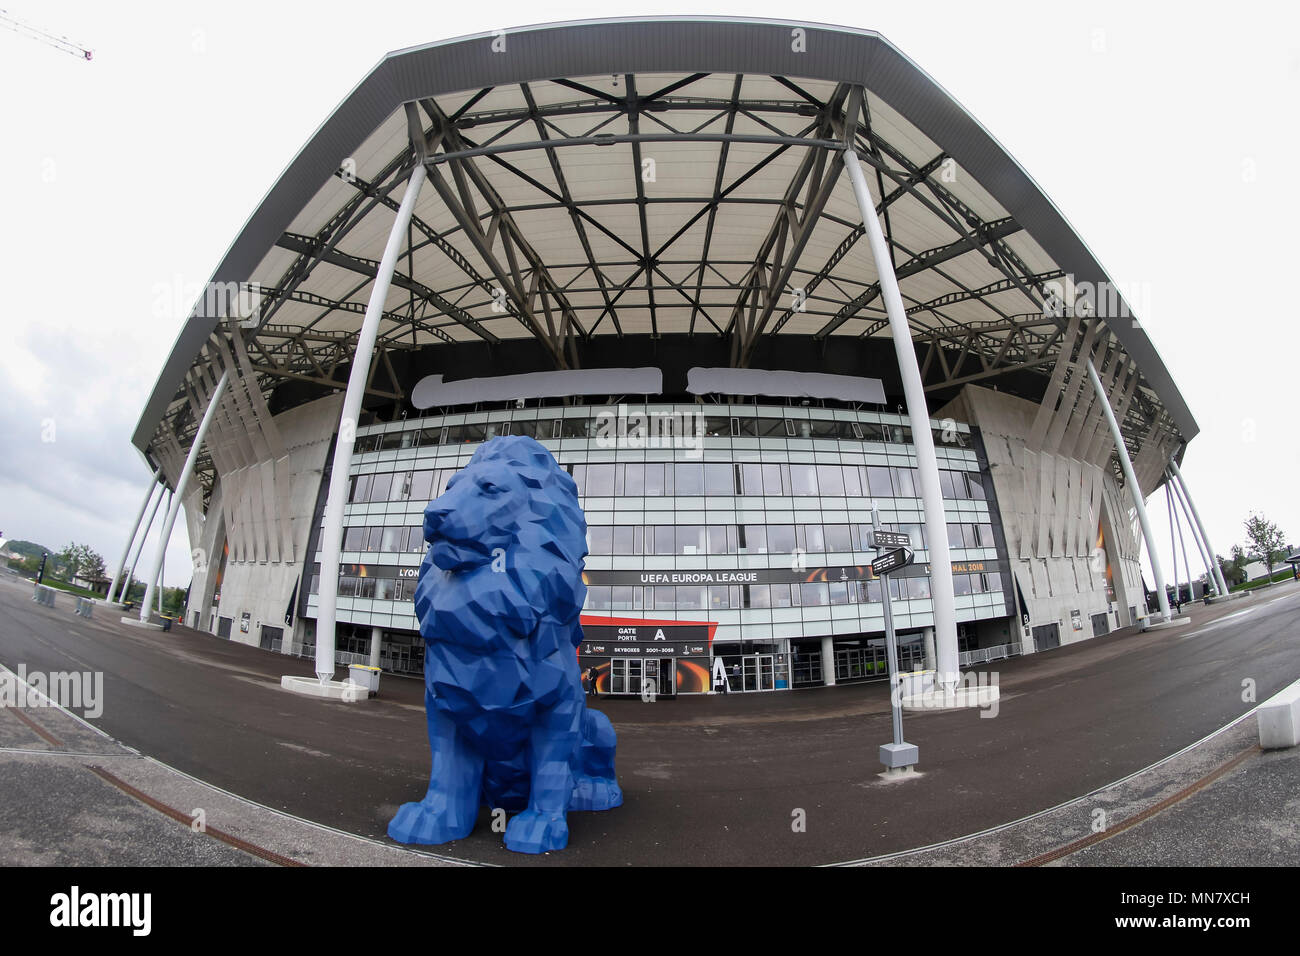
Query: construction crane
x=49 y=39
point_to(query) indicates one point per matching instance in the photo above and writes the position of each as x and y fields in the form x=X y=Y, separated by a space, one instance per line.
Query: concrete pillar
x=1134 y=490
x=336 y=499
x=126 y=551
x=942 y=598
x=376 y=641
x=1200 y=526
x=927 y=635
x=178 y=495
x=828 y=661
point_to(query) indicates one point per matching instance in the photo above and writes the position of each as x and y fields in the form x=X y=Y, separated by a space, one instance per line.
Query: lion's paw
x=595 y=793
x=418 y=823
x=534 y=831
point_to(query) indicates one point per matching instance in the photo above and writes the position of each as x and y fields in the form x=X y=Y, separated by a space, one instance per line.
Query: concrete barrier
x=1279 y=719
x=44 y=595
x=85 y=607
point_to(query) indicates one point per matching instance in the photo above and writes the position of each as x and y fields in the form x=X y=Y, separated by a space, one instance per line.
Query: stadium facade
x=748 y=281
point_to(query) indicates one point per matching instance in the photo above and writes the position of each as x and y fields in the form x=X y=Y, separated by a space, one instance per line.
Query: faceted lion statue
x=498 y=598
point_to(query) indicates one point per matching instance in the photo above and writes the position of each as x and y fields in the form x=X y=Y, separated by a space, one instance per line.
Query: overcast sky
x=1166 y=134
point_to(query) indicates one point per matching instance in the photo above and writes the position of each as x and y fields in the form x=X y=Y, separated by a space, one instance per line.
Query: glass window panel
x=716 y=427
x=837 y=538
x=689 y=478
x=665 y=539
x=918 y=587
x=716 y=539
x=622 y=539
x=415 y=539
x=955 y=539
x=830 y=479
x=690 y=539
x=600 y=480
x=621 y=597
x=803 y=480
x=374 y=539
x=961 y=584
x=759 y=595
x=780 y=595
x=347 y=586
x=945 y=485
x=354 y=539
x=780 y=538
x=422 y=485
x=839 y=591
x=771 y=473
x=879 y=482
x=384 y=588
x=601 y=538
x=975 y=483
x=755 y=538
x=393 y=539
x=852 y=478
x=634 y=479
x=598 y=597
x=360 y=488
x=815 y=538
x=366 y=587
x=873 y=592
x=814 y=593
x=970 y=535
x=824 y=428
x=771 y=427
x=905 y=482
x=692 y=597
x=654 y=479
x=719 y=597
x=718 y=479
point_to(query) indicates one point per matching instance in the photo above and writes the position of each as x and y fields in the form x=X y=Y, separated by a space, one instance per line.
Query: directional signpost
x=899 y=755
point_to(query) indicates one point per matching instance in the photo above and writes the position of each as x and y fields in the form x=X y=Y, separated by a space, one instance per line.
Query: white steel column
x=1200 y=527
x=927 y=464
x=1135 y=492
x=148 y=526
x=1211 y=581
x=1182 y=544
x=126 y=551
x=332 y=537
x=178 y=494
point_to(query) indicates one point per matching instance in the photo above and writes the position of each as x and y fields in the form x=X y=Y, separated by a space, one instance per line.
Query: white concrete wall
x=1052 y=505
x=267 y=554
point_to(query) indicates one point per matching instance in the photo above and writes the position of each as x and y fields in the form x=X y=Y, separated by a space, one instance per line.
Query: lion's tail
x=598 y=743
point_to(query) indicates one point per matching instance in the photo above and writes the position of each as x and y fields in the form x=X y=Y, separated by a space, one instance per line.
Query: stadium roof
x=659 y=177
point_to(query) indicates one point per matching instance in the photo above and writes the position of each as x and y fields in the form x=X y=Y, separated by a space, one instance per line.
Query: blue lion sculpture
x=498 y=599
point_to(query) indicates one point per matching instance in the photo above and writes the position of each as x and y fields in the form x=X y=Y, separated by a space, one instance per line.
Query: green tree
x=1267 y=540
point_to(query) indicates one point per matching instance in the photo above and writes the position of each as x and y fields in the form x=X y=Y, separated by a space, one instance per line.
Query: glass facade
x=780 y=492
